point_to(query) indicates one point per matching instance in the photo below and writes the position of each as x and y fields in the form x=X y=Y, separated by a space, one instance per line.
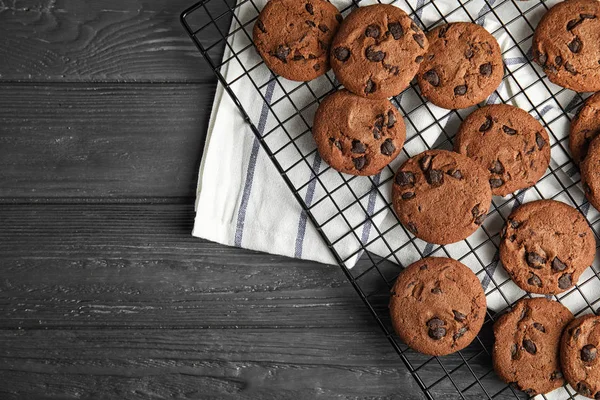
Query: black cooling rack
x=280 y=112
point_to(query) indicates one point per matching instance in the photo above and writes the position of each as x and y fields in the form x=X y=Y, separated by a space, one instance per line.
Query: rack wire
x=353 y=214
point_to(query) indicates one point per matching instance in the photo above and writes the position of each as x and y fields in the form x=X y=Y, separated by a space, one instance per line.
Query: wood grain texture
x=103 y=140
x=109 y=40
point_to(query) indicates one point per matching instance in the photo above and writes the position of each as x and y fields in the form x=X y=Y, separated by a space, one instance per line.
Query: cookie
x=508 y=143
x=526 y=350
x=293 y=37
x=437 y=306
x=579 y=355
x=358 y=136
x=584 y=128
x=462 y=67
x=441 y=196
x=590 y=173
x=545 y=246
x=377 y=51
x=565 y=44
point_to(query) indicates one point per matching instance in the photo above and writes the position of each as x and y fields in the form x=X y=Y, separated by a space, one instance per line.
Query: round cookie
x=377 y=51
x=579 y=355
x=462 y=67
x=437 y=306
x=545 y=246
x=584 y=128
x=590 y=173
x=358 y=136
x=293 y=37
x=441 y=196
x=509 y=143
x=526 y=350
x=566 y=44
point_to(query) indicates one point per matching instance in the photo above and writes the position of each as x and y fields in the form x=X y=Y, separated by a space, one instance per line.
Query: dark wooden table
x=103 y=292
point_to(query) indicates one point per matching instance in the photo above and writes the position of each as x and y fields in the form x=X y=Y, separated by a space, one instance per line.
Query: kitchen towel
x=243 y=201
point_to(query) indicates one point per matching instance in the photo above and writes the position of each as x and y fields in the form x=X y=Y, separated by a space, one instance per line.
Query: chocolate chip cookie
x=294 y=37
x=584 y=128
x=579 y=355
x=545 y=246
x=377 y=51
x=509 y=143
x=462 y=67
x=358 y=136
x=566 y=43
x=441 y=196
x=526 y=350
x=437 y=306
x=590 y=173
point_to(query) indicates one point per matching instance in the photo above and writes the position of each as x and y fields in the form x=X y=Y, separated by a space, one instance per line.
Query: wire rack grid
x=353 y=214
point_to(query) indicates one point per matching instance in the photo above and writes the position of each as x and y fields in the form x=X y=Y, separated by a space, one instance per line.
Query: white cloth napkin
x=243 y=201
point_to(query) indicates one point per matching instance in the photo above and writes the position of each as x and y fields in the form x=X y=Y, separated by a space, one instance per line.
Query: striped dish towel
x=243 y=201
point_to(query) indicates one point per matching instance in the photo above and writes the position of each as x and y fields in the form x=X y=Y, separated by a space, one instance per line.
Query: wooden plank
x=202 y=364
x=102 y=140
x=109 y=40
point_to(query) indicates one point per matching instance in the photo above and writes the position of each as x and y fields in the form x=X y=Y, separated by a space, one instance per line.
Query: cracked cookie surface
x=437 y=306
x=508 y=143
x=527 y=343
x=377 y=51
x=441 y=196
x=462 y=67
x=545 y=246
x=358 y=136
x=579 y=355
x=293 y=37
x=585 y=128
x=566 y=43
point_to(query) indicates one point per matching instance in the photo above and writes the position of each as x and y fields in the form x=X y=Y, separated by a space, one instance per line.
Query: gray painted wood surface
x=103 y=292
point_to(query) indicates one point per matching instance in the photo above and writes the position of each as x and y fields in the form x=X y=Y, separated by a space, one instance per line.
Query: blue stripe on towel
x=310 y=192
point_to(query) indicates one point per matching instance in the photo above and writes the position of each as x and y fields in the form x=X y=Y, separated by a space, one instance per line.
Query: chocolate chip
x=485 y=69
x=443 y=30
x=539 y=140
x=456 y=174
x=405 y=178
x=558 y=265
x=524 y=313
x=420 y=39
x=497 y=167
x=396 y=30
x=535 y=280
x=496 y=183
x=460 y=317
x=487 y=125
x=372 y=31
x=469 y=53
x=311 y=56
x=575 y=333
x=542 y=58
x=370 y=87
x=339 y=18
x=556 y=375
x=310 y=23
x=423 y=267
x=323 y=45
x=432 y=77
x=565 y=281
x=460 y=90
x=425 y=162
x=461 y=332
x=589 y=353
x=323 y=28
x=408 y=195
x=539 y=327
x=336 y=143
x=358 y=147
x=309 y=8
x=261 y=26
x=558 y=60
x=282 y=52
x=508 y=130
x=391 y=119
x=575 y=45
x=387 y=147
x=514 y=351
x=514 y=224
x=374 y=55
x=434 y=177
x=341 y=53
x=436 y=330
x=587 y=16
x=529 y=346
x=573 y=23
x=412 y=227
x=437 y=289
x=479 y=215
x=359 y=163
x=584 y=389
x=419 y=59
x=569 y=67
x=414 y=27
x=534 y=260
x=317 y=67
x=298 y=56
